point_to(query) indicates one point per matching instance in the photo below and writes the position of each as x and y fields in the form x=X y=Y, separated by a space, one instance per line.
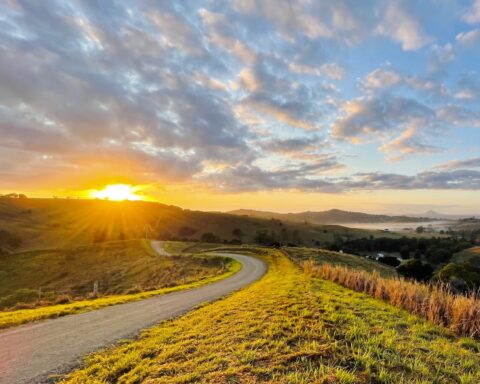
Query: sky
x=267 y=104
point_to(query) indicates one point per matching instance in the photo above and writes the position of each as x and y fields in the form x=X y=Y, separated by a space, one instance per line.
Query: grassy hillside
x=320 y=256
x=118 y=267
x=27 y=224
x=470 y=256
x=289 y=328
x=331 y=216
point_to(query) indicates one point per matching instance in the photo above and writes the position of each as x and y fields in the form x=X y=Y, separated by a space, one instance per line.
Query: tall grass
x=434 y=302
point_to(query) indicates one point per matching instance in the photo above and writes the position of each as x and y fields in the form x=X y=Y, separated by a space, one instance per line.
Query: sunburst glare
x=118 y=192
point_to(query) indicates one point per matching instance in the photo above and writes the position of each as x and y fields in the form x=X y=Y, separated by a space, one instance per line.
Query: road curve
x=32 y=352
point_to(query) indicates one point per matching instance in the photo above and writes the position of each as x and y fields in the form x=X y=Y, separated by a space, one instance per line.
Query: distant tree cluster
x=13 y=196
x=435 y=249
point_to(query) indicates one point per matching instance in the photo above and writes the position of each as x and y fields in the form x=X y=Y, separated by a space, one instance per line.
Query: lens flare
x=118 y=192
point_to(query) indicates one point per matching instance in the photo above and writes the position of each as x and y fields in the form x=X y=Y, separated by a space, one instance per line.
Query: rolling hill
x=332 y=216
x=28 y=224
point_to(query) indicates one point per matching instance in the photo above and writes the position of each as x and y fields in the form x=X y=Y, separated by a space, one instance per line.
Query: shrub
x=209 y=237
x=461 y=277
x=62 y=299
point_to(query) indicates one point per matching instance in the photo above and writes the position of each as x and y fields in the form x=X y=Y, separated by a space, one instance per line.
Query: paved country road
x=30 y=353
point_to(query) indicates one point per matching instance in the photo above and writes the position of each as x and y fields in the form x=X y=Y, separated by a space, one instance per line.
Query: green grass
x=119 y=267
x=320 y=256
x=289 y=328
x=469 y=256
x=22 y=316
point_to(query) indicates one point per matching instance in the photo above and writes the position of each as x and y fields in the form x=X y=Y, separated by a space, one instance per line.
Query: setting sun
x=118 y=192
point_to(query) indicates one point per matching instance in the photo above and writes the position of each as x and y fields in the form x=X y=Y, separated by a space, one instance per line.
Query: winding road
x=32 y=352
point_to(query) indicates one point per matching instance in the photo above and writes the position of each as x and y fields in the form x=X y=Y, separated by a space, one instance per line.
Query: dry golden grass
x=434 y=302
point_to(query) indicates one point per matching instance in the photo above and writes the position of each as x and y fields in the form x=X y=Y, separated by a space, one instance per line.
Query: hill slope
x=333 y=216
x=297 y=330
x=52 y=223
x=118 y=267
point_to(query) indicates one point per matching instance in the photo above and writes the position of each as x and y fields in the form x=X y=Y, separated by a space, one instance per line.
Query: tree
x=238 y=233
x=209 y=237
x=405 y=252
x=422 y=246
x=414 y=268
x=417 y=254
x=389 y=260
x=420 y=229
x=263 y=237
x=437 y=255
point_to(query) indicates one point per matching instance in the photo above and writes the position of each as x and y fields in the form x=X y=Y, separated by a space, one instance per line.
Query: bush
x=209 y=237
x=438 y=255
x=62 y=299
x=19 y=296
x=461 y=277
x=389 y=260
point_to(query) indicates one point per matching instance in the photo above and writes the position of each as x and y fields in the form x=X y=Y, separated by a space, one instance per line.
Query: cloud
x=444 y=180
x=410 y=141
x=461 y=164
x=399 y=24
x=472 y=16
x=248 y=178
x=378 y=115
x=331 y=70
x=469 y=38
x=387 y=77
x=241 y=95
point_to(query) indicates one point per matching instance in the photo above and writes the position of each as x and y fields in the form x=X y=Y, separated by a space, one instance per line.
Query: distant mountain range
x=336 y=216
x=441 y=216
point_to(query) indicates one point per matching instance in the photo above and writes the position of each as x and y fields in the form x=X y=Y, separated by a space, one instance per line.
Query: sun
x=118 y=192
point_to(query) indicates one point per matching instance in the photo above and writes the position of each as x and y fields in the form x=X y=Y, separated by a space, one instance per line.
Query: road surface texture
x=32 y=352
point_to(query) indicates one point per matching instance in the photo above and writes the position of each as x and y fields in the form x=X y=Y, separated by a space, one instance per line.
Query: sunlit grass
x=22 y=316
x=289 y=328
x=434 y=302
x=321 y=256
x=121 y=267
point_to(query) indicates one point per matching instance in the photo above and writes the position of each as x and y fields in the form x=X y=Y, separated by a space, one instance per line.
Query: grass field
x=320 y=256
x=22 y=316
x=118 y=267
x=125 y=270
x=289 y=328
